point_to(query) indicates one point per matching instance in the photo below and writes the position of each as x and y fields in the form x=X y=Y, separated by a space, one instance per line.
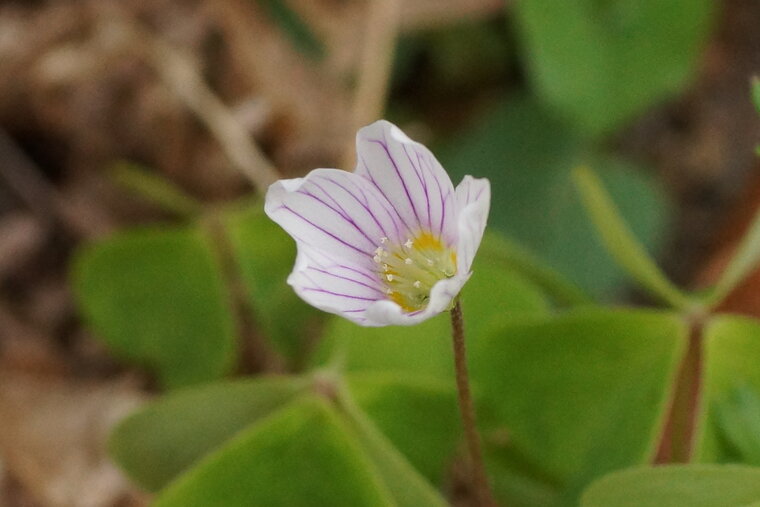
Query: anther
x=408 y=261
x=417 y=284
x=383 y=240
x=377 y=259
x=408 y=243
x=389 y=277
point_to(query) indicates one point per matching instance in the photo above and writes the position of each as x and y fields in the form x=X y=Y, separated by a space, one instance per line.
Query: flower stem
x=676 y=443
x=467 y=410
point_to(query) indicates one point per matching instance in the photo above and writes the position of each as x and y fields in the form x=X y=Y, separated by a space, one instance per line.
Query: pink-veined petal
x=334 y=211
x=343 y=222
x=473 y=204
x=337 y=287
x=410 y=177
x=387 y=313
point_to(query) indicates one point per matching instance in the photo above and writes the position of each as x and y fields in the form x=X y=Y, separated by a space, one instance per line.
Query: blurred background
x=116 y=114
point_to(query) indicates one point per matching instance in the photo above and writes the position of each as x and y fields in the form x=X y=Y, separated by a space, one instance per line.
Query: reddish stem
x=467 y=409
x=678 y=437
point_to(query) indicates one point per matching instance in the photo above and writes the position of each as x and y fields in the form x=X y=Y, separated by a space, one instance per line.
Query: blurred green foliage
x=156 y=296
x=566 y=390
x=621 y=243
x=601 y=62
x=150 y=449
x=528 y=155
x=592 y=67
x=154 y=449
x=303 y=451
x=418 y=414
x=595 y=372
x=455 y=58
x=732 y=349
x=383 y=399
x=263 y=252
x=516 y=259
x=677 y=486
x=737 y=417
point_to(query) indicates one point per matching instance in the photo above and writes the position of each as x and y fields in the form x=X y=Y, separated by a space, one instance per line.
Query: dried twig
x=429 y=14
x=377 y=60
x=178 y=71
x=26 y=180
x=375 y=66
x=313 y=103
x=338 y=24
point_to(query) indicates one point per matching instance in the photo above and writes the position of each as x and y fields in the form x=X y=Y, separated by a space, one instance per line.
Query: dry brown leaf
x=52 y=439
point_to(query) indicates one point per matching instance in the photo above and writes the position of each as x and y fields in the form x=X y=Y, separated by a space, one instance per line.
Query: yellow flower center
x=410 y=270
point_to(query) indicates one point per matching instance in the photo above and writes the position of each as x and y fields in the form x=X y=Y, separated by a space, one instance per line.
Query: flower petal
x=473 y=203
x=385 y=312
x=334 y=211
x=409 y=176
x=334 y=286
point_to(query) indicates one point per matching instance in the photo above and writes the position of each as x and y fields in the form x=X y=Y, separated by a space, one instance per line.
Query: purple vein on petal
x=346 y=218
x=354 y=270
x=383 y=202
x=440 y=192
x=443 y=197
x=420 y=176
x=333 y=199
x=336 y=238
x=372 y=180
x=308 y=250
x=328 y=273
x=337 y=294
x=384 y=145
x=364 y=204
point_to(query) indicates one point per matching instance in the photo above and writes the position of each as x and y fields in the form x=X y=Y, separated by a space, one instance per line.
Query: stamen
x=409 y=270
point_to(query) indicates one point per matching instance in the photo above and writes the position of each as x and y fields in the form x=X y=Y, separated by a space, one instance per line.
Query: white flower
x=390 y=243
